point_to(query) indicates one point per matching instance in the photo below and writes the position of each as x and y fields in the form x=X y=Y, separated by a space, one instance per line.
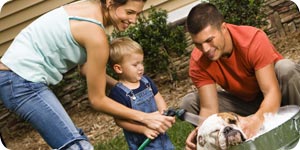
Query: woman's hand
x=158 y=122
x=191 y=140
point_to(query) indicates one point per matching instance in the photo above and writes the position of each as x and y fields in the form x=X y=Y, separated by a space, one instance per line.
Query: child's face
x=132 y=67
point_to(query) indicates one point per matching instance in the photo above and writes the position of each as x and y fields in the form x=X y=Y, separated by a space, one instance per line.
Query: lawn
x=177 y=133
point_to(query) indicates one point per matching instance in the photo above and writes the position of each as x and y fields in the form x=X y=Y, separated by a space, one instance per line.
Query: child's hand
x=151 y=134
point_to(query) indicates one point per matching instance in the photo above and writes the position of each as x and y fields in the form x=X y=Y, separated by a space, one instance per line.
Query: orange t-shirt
x=236 y=74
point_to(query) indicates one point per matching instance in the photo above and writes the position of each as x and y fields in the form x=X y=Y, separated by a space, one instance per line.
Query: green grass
x=177 y=133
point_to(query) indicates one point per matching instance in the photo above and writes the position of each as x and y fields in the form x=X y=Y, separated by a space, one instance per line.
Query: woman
x=53 y=44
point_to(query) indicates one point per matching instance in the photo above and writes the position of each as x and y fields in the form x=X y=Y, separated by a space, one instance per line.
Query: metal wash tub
x=283 y=137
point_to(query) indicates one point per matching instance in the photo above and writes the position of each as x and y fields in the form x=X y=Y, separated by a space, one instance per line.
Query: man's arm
x=268 y=84
x=208 y=105
x=208 y=100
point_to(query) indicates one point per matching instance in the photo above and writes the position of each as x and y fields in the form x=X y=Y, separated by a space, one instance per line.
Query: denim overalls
x=144 y=101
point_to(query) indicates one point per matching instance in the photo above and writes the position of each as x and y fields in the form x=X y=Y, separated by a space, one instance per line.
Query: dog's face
x=220 y=131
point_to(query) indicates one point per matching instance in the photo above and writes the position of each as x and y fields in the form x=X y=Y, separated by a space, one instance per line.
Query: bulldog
x=219 y=131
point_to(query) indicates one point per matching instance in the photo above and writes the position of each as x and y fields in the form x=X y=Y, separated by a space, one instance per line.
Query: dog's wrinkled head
x=219 y=131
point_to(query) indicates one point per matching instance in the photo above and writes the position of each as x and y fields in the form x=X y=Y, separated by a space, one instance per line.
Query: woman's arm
x=94 y=39
x=110 y=81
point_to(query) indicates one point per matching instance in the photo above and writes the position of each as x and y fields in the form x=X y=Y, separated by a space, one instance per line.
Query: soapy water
x=274 y=120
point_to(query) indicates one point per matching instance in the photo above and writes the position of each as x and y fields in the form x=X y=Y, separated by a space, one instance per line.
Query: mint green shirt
x=46 y=49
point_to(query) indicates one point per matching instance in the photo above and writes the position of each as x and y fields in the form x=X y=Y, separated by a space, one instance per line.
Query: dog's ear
x=232 y=118
x=201 y=141
x=234 y=114
x=229 y=117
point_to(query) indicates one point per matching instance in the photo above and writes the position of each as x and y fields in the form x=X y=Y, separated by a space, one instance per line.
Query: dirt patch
x=100 y=127
x=289 y=46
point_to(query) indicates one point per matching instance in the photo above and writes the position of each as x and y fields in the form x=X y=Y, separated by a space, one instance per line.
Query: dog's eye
x=232 y=121
x=215 y=132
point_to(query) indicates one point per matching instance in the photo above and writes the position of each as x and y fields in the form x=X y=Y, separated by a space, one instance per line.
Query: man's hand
x=251 y=125
x=158 y=122
x=191 y=140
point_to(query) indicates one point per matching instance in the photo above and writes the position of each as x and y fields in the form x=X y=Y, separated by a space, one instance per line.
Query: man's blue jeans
x=36 y=104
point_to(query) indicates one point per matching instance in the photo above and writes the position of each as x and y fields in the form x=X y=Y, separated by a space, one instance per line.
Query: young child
x=136 y=91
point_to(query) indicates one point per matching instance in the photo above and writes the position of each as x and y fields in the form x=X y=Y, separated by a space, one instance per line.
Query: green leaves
x=158 y=39
x=242 y=12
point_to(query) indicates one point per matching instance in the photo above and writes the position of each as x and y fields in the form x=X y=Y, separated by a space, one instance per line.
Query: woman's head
x=120 y=2
x=122 y=13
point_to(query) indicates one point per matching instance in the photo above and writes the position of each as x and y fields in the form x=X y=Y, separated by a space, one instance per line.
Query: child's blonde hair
x=121 y=47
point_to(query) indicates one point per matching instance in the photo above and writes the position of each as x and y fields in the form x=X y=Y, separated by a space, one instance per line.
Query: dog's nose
x=227 y=130
x=233 y=136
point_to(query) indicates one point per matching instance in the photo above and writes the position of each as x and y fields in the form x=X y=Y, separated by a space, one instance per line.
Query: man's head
x=209 y=32
x=126 y=58
x=203 y=15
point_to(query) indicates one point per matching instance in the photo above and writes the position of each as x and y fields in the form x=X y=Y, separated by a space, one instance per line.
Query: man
x=254 y=77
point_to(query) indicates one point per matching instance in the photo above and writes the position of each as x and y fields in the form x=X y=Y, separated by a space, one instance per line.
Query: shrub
x=158 y=40
x=242 y=12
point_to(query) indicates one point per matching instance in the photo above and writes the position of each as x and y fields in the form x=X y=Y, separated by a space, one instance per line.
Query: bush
x=158 y=39
x=242 y=12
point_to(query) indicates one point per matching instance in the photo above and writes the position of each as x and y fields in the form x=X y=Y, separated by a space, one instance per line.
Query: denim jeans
x=36 y=104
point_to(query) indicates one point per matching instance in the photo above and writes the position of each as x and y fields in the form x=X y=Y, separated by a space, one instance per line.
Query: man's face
x=211 y=41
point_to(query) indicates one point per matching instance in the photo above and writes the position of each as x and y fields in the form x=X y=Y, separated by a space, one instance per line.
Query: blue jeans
x=36 y=104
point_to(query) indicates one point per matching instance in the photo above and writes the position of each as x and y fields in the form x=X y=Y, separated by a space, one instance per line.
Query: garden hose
x=168 y=112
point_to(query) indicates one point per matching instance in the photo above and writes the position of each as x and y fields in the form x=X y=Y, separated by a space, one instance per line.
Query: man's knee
x=285 y=69
x=190 y=102
x=288 y=74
